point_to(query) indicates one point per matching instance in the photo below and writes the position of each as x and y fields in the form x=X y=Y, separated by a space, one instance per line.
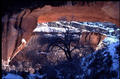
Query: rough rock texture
x=16 y=27
x=87 y=39
x=20 y=25
x=101 y=11
x=9 y=34
x=112 y=10
x=36 y=50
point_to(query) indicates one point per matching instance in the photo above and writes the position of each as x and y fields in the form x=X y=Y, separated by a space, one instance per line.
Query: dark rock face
x=16 y=27
x=9 y=34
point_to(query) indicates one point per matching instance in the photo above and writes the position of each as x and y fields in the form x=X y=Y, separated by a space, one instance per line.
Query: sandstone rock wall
x=15 y=27
x=20 y=25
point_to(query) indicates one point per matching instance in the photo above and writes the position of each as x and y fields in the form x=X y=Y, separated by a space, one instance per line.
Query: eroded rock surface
x=21 y=25
x=89 y=34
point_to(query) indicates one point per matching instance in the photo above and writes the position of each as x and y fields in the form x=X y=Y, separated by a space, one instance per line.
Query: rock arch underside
x=17 y=28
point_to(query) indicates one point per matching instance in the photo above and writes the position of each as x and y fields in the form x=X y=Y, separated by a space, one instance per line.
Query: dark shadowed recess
x=10 y=6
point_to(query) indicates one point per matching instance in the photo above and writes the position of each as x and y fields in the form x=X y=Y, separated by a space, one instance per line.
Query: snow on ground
x=103 y=59
x=111 y=42
x=12 y=76
x=106 y=28
x=43 y=27
x=49 y=29
x=112 y=50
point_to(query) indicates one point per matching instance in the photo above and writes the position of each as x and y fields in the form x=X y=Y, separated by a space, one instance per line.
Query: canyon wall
x=18 y=26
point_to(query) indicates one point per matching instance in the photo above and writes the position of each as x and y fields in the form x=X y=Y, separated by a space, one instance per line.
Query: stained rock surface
x=43 y=36
x=103 y=63
x=21 y=24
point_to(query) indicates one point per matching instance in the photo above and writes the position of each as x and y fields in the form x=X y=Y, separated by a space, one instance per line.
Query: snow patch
x=24 y=41
x=112 y=50
x=110 y=40
x=48 y=29
x=12 y=76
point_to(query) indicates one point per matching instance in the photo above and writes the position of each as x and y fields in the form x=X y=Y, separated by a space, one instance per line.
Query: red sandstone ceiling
x=101 y=11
